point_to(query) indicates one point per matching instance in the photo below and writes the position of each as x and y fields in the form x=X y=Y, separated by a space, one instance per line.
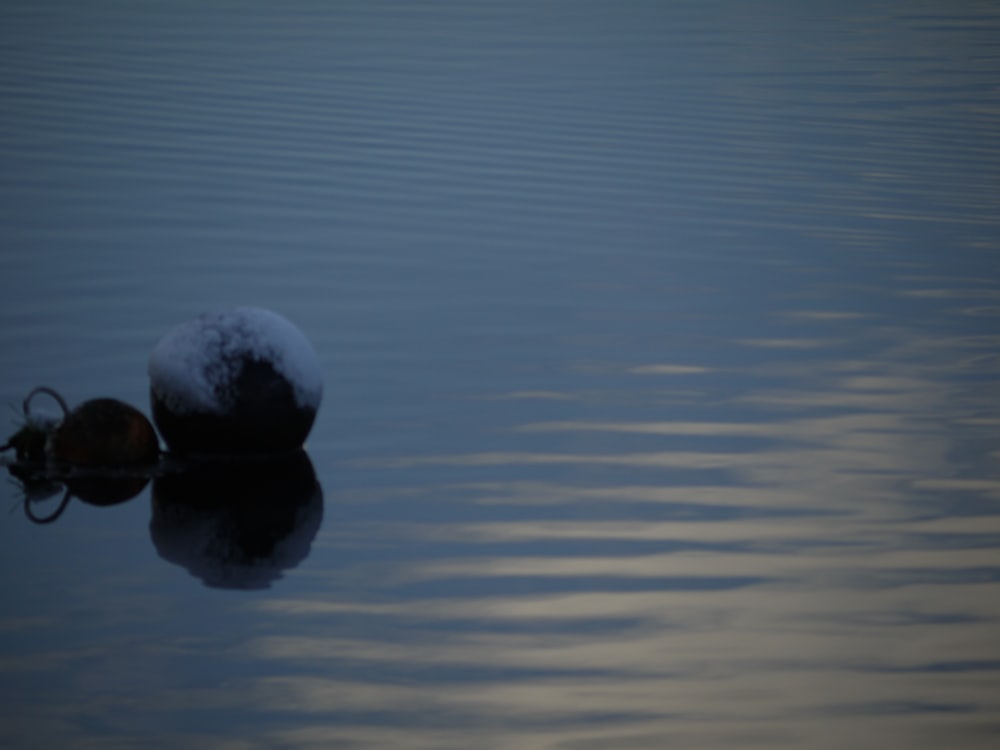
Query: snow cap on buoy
x=243 y=382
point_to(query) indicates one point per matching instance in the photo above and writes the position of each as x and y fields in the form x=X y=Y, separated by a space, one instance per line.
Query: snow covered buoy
x=239 y=383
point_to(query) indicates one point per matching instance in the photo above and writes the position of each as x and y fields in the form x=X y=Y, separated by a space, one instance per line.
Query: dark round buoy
x=104 y=432
x=240 y=383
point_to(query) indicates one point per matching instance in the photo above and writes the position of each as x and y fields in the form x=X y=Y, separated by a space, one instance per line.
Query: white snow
x=192 y=366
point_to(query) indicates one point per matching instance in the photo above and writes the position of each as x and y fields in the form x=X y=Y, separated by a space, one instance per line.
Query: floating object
x=102 y=452
x=239 y=383
x=104 y=432
x=100 y=433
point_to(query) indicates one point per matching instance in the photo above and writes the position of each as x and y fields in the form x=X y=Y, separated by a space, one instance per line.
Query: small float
x=104 y=452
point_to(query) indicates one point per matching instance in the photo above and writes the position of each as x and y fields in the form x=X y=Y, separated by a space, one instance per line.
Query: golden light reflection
x=839 y=581
x=668 y=369
x=795 y=660
x=774 y=343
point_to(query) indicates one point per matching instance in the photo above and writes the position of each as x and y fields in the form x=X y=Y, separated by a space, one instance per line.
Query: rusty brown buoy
x=102 y=432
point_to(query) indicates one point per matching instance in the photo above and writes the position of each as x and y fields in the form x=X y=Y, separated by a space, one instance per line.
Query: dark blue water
x=662 y=358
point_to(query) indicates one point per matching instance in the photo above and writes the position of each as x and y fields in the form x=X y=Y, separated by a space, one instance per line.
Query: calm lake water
x=662 y=357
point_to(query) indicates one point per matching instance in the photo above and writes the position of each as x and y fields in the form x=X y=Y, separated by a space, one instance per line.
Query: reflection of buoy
x=237 y=524
x=244 y=382
x=97 y=489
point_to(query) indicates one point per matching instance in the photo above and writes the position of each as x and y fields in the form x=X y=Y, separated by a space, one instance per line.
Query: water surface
x=661 y=351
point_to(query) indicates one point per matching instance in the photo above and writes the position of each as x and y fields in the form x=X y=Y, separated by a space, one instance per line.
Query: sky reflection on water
x=661 y=345
x=835 y=585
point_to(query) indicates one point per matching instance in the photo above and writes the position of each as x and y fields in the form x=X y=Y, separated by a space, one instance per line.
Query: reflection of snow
x=238 y=525
x=194 y=365
x=224 y=551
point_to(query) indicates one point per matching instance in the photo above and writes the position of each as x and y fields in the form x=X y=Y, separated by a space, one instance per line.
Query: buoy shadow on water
x=237 y=524
x=92 y=489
